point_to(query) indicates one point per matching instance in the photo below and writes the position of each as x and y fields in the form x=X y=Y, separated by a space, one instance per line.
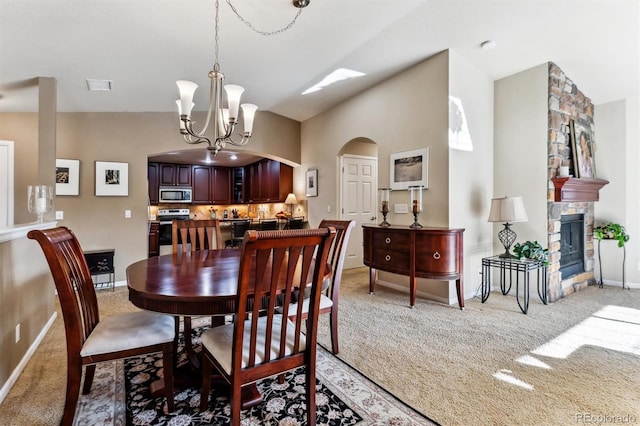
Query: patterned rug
x=120 y=395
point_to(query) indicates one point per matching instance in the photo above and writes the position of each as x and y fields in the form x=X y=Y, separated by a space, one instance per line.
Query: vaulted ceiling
x=144 y=46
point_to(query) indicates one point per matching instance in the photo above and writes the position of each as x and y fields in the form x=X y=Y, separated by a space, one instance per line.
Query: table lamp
x=291 y=201
x=507 y=210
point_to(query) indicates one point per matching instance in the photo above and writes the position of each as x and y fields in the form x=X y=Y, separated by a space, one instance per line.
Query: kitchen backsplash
x=254 y=211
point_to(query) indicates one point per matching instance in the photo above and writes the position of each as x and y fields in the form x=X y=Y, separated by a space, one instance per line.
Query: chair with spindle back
x=189 y=236
x=90 y=340
x=262 y=341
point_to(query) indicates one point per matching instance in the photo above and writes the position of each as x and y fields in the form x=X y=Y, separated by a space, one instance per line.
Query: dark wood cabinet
x=269 y=181
x=201 y=185
x=174 y=174
x=154 y=239
x=434 y=253
x=153 y=183
x=238 y=185
x=265 y=181
x=221 y=185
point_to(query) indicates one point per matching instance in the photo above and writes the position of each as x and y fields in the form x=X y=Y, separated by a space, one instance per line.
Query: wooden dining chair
x=273 y=265
x=190 y=236
x=331 y=294
x=201 y=234
x=90 y=340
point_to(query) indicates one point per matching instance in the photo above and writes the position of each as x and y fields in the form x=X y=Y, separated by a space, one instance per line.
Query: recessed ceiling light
x=340 y=74
x=233 y=157
x=488 y=45
x=97 y=85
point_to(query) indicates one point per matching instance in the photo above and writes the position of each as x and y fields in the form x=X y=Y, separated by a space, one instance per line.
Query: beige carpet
x=480 y=366
x=486 y=365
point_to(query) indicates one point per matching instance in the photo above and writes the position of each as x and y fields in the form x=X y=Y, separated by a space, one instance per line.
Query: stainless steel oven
x=166 y=217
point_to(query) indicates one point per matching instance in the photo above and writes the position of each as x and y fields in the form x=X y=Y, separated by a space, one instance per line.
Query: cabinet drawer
x=391 y=260
x=389 y=240
x=436 y=254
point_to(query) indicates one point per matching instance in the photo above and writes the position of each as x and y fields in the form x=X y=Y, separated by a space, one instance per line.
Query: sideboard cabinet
x=434 y=253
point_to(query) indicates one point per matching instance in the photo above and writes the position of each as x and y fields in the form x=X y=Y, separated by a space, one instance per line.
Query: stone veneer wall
x=566 y=102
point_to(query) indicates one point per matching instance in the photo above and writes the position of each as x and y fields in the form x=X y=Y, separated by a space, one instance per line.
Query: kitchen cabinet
x=269 y=181
x=154 y=239
x=201 y=185
x=174 y=174
x=238 y=190
x=221 y=185
x=153 y=183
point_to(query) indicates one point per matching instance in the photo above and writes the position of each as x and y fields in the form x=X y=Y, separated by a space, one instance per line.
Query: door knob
x=372 y=218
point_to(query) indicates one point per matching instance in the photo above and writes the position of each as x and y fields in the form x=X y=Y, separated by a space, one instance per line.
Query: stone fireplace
x=568 y=196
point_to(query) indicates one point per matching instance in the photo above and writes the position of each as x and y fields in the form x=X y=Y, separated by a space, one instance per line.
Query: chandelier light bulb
x=248 y=113
x=187 y=90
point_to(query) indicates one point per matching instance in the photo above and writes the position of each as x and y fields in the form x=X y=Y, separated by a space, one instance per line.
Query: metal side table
x=507 y=268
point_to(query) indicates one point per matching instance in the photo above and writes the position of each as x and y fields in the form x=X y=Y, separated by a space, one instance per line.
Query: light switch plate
x=400 y=208
x=59 y=214
x=127 y=214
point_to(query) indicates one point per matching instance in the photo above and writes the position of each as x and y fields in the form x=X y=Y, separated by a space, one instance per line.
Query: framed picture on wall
x=112 y=179
x=67 y=177
x=312 y=183
x=582 y=145
x=409 y=168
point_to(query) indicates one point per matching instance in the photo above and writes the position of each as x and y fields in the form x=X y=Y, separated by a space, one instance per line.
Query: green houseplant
x=611 y=231
x=531 y=250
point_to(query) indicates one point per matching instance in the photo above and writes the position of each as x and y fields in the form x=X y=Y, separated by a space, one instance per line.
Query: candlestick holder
x=415 y=197
x=39 y=200
x=383 y=195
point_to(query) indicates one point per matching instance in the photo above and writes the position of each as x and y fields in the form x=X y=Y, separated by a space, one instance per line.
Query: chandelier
x=223 y=120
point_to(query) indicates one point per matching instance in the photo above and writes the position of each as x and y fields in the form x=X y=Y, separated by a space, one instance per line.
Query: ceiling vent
x=95 y=85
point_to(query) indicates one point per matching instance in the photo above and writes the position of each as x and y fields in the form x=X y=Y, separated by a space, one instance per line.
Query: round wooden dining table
x=193 y=283
x=189 y=284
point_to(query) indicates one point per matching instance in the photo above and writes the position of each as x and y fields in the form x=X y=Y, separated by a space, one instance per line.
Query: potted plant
x=531 y=250
x=611 y=231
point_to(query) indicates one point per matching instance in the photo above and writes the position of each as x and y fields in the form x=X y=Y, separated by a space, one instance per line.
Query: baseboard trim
x=25 y=359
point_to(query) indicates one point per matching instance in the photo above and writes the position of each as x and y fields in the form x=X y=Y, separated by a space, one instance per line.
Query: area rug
x=120 y=396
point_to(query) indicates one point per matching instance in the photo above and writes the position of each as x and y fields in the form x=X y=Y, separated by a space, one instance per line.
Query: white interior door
x=359 y=190
x=6 y=183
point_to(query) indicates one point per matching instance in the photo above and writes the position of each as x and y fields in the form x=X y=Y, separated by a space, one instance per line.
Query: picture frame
x=67 y=177
x=312 y=182
x=112 y=179
x=409 y=168
x=582 y=145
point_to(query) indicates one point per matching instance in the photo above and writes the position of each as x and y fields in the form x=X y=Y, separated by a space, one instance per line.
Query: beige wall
x=471 y=172
x=405 y=112
x=616 y=161
x=520 y=148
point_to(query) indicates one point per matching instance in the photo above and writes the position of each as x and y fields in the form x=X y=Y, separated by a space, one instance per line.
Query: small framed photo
x=312 y=183
x=409 y=168
x=583 y=150
x=112 y=179
x=67 y=177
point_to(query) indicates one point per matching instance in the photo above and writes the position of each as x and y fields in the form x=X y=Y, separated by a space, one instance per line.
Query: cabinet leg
x=412 y=291
x=372 y=279
x=460 y=292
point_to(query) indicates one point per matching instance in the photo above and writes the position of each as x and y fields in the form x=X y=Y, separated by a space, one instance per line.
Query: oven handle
x=165 y=222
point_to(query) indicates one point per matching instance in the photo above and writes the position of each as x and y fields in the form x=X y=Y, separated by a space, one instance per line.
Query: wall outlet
x=329 y=209
x=127 y=214
x=18 y=333
x=59 y=215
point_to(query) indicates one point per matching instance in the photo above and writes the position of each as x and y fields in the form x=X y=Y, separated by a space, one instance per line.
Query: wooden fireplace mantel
x=569 y=189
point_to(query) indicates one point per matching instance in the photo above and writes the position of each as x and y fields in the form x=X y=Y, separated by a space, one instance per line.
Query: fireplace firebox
x=571 y=245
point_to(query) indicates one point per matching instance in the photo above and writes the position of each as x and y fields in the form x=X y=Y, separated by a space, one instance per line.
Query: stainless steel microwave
x=174 y=194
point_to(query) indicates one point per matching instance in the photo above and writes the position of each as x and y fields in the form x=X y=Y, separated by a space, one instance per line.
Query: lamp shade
x=507 y=210
x=291 y=199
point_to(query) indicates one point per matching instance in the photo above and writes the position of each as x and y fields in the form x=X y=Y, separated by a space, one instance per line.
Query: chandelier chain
x=216 y=66
x=264 y=33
